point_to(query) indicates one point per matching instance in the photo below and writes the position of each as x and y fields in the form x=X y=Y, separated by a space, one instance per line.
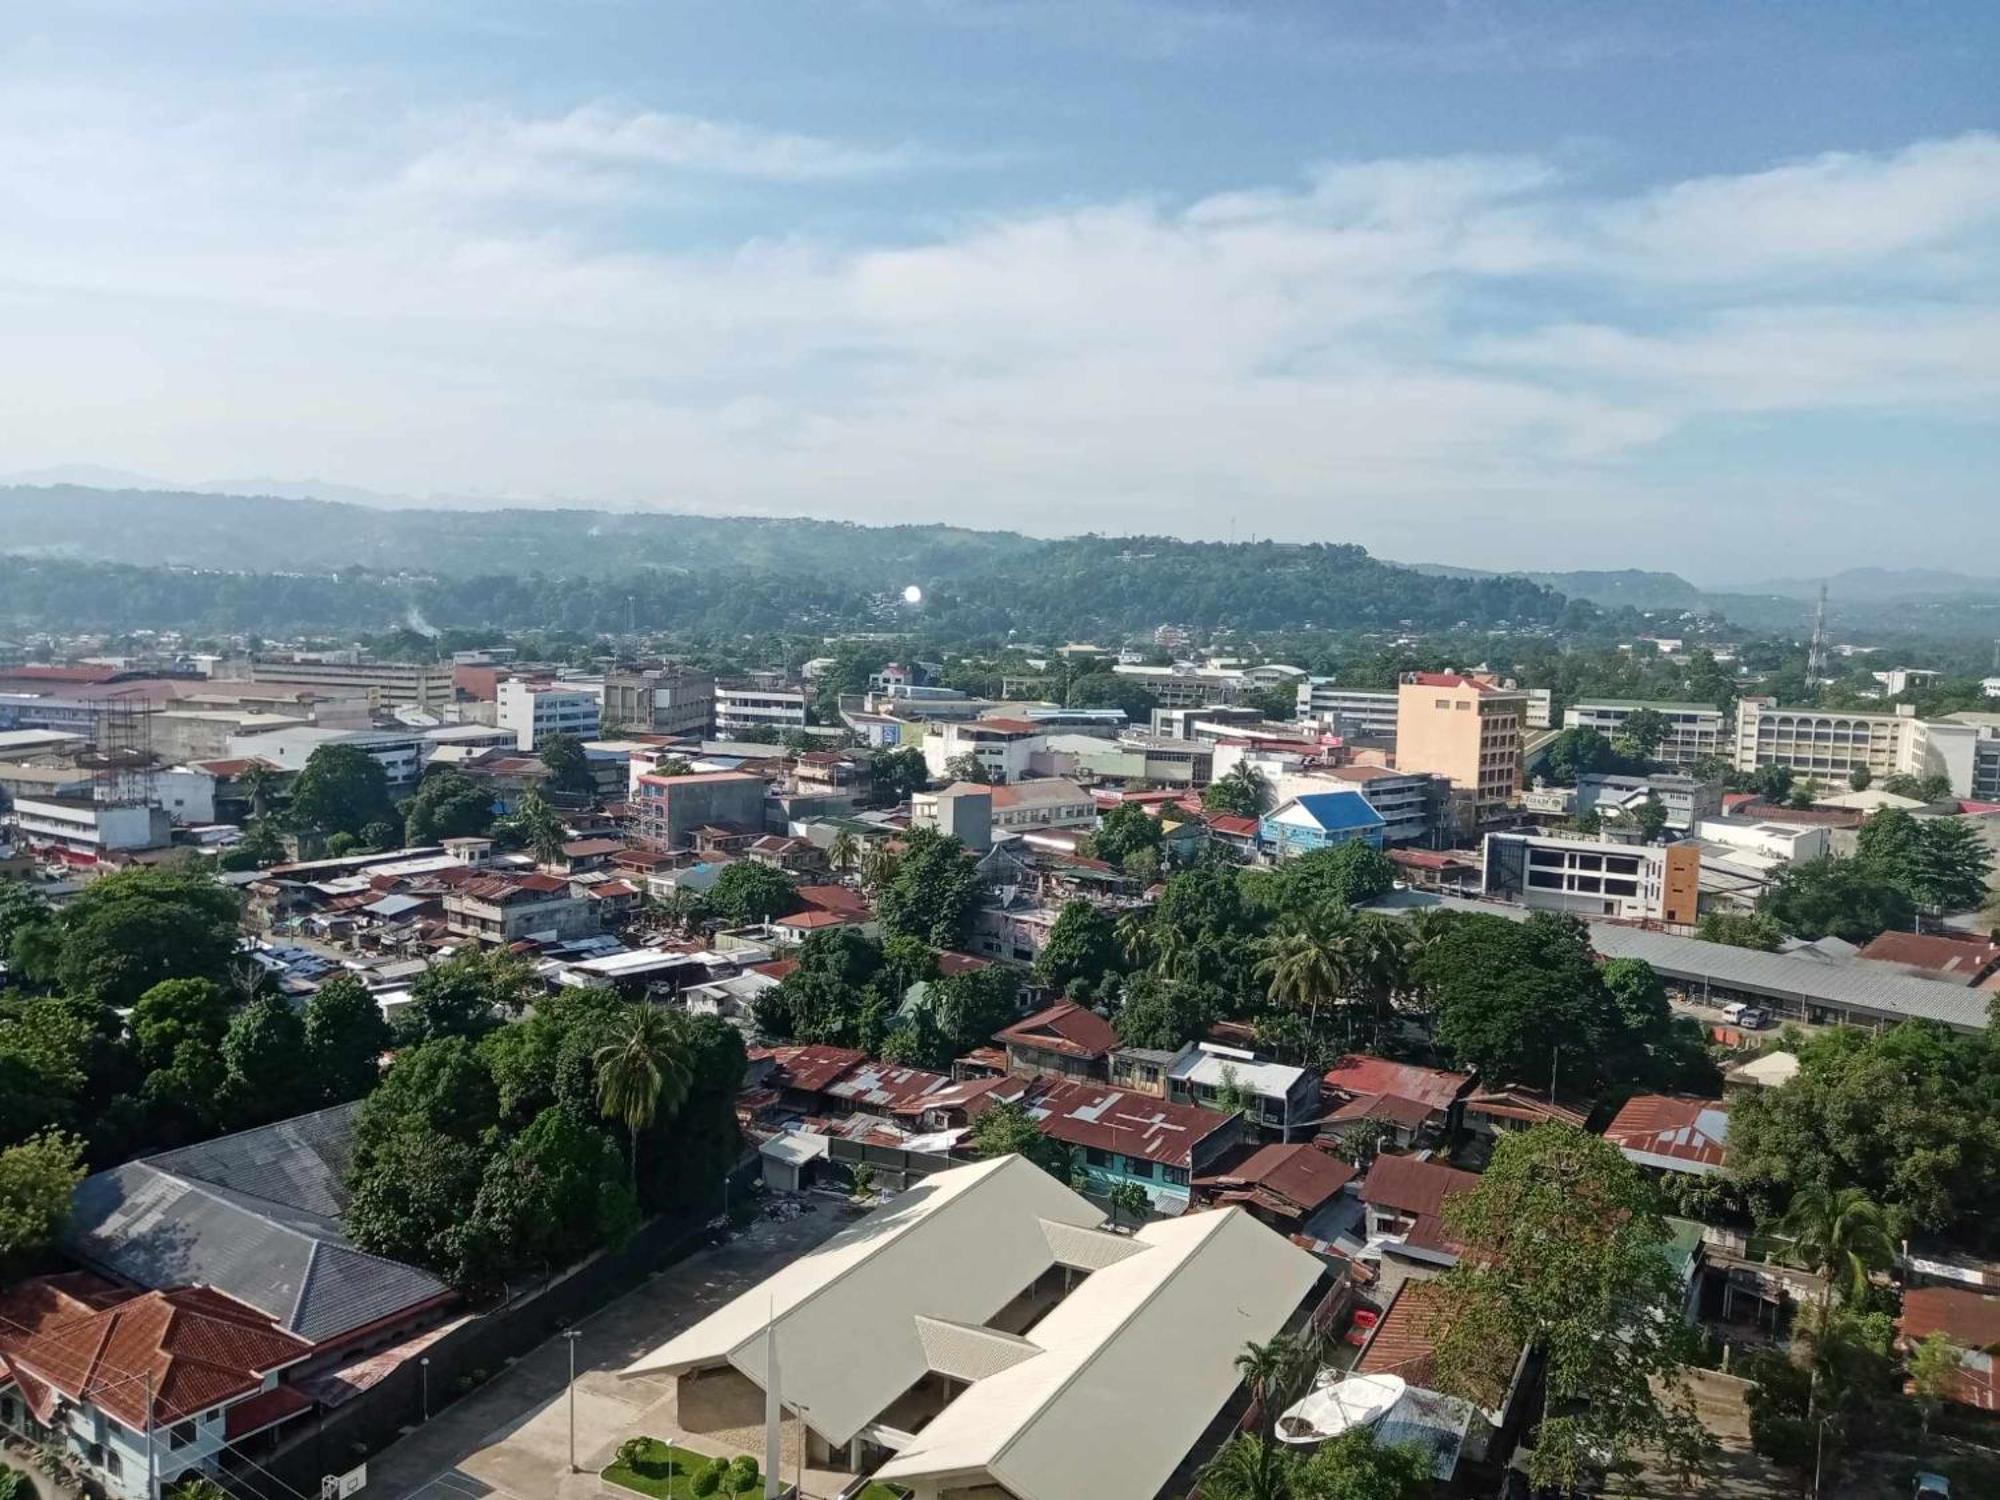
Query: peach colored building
x=1467 y=729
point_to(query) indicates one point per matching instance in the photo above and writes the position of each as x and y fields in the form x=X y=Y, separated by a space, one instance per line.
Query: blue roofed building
x=1319 y=820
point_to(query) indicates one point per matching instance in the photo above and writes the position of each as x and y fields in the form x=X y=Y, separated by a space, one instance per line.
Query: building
x=963 y=810
x=503 y=908
x=1951 y=957
x=1064 y=1041
x=386 y=684
x=1694 y=730
x=1965 y=749
x=1002 y=747
x=756 y=703
x=1594 y=877
x=400 y=754
x=1184 y=684
x=1275 y=1097
x=1685 y=800
x=79 y=831
x=984 y=1334
x=658 y=701
x=1416 y=1104
x=668 y=809
x=1405 y=1198
x=1134 y=1139
x=1220 y=721
x=535 y=711
x=1968 y=1319
x=1411 y=804
x=1900 y=680
x=1052 y=803
x=1469 y=730
x=1319 y=820
x=1828 y=745
x=1351 y=713
x=1669 y=1133
x=1287 y=1187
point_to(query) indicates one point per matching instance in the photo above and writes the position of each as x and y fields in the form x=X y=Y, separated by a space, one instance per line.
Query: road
x=509 y=1440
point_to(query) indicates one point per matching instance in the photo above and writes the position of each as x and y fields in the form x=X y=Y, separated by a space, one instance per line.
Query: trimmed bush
x=708 y=1478
x=743 y=1475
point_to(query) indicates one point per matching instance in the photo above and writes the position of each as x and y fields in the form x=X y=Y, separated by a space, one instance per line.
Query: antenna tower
x=1816 y=654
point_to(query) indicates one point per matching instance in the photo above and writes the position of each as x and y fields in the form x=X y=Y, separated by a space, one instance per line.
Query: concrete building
x=1685 y=800
x=1051 y=803
x=1965 y=749
x=659 y=701
x=1277 y=1098
x=1827 y=745
x=388 y=684
x=79 y=831
x=1353 y=713
x=503 y=908
x=667 y=809
x=758 y=704
x=983 y=1334
x=1411 y=804
x=1900 y=680
x=1467 y=729
x=1003 y=747
x=1595 y=878
x=964 y=810
x=536 y=711
x=401 y=754
x=1179 y=723
x=1184 y=684
x=1319 y=820
x=1693 y=729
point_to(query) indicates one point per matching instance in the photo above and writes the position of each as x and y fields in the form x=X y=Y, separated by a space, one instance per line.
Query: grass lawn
x=666 y=1472
x=875 y=1489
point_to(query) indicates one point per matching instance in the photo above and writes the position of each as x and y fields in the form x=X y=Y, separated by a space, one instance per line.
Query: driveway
x=509 y=1440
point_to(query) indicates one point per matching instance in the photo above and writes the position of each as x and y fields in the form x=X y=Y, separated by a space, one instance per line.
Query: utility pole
x=572 y=1335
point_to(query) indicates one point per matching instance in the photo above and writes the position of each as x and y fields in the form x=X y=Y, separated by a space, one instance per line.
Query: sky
x=1706 y=287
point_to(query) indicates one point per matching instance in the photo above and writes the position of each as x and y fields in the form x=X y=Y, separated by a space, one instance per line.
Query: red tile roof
x=777 y=968
x=1232 y=825
x=1402 y=1342
x=1066 y=1028
x=1302 y=1178
x=950 y=963
x=810 y=921
x=844 y=900
x=1137 y=1125
x=1361 y=1074
x=1672 y=1129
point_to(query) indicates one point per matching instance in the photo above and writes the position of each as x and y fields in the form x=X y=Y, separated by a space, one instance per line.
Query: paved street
x=510 y=1439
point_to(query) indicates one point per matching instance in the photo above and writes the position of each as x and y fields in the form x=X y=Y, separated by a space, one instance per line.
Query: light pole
x=570 y=1336
x=424 y=1372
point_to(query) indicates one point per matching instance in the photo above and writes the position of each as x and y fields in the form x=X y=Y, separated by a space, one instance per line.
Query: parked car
x=1752 y=1019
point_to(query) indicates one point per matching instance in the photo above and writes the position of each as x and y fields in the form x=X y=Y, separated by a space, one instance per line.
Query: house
x=1320 y=820
x=504 y=908
x=958 y=1103
x=1493 y=1112
x=142 y=1388
x=884 y=1088
x=1276 y=1097
x=1052 y=803
x=1286 y=1186
x=1405 y=1196
x=983 y=1333
x=580 y=855
x=1065 y=1041
x=1670 y=1133
x=1452 y=1430
x=1953 y=957
x=1969 y=1320
x=800 y=1076
x=1415 y=1104
x=1134 y=1138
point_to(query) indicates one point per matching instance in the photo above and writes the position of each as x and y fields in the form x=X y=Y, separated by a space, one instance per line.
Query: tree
x=341 y=790
x=198 y=1487
x=464 y=995
x=895 y=774
x=1844 y=898
x=971 y=1005
x=1574 y=753
x=124 y=933
x=844 y=852
x=967 y=767
x=1937 y=1365
x=264 y=1052
x=1304 y=964
x=1127 y=1200
x=555 y=1193
x=539 y=826
x=1357 y=1466
x=449 y=804
x=30 y=938
x=1742 y=930
x=750 y=891
x=1941 y=864
x=1520 y=1001
x=642 y=1073
x=1935 y=787
x=1166 y=1013
x=1242 y=792
x=1082 y=946
x=1567 y=1254
x=568 y=763
x=1126 y=830
x=1109 y=690
x=934 y=891
x=1772 y=783
x=1349 y=874
x=1249 y=1466
x=175 y=1012
x=259 y=781
x=1859 y=778
x=258 y=849
x=1841 y=1236
x=37 y=1179
x=345 y=1037
x=1650 y=818
x=1007 y=1129
x=1642 y=732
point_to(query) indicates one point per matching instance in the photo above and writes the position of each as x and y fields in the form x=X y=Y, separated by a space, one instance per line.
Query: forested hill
x=120 y=560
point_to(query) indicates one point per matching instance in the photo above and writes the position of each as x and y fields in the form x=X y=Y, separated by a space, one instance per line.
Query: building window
x=180 y=1435
x=1138 y=1167
x=1096 y=1157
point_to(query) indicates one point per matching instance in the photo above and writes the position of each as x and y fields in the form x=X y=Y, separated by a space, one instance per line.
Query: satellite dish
x=913 y=595
x=1329 y=1410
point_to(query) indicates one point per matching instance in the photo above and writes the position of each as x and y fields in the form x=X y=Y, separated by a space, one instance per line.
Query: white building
x=1003 y=747
x=535 y=711
x=1594 y=877
x=1353 y=713
x=1900 y=680
x=758 y=705
x=1828 y=744
x=401 y=755
x=1693 y=729
x=80 y=831
x=921 y=1344
x=1184 y=684
x=187 y=793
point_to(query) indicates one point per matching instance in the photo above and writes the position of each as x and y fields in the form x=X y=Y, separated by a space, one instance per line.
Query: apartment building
x=1051 y=803
x=1828 y=744
x=401 y=755
x=1693 y=729
x=1003 y=747
x=1467 y=729
x=387 y=684
x=1595 y=878
x=1352 y=713
x=758 y=704
x=79 y=831
x=1409 y=802
x=1212 y=721
x=537 y=711
x=1965 y=747
x=1184 y=685
x=658 y=701
x=668 y=809
x=963 y=810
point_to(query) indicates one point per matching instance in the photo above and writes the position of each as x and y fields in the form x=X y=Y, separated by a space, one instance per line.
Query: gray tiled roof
x=255 y=1215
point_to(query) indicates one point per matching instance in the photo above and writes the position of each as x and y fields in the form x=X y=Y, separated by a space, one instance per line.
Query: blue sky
x=1707 y=287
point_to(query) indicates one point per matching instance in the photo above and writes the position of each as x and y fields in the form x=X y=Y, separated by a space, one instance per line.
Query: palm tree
x=1135 y=936
x=542 y=826
x=642 y=1072
x=1305 y=964
x=1376 y=964
x=259 y=781
x=1842 y=1235
x=1174 y=956
x=843 y=851
x=878 y=866
x=1247 y=1467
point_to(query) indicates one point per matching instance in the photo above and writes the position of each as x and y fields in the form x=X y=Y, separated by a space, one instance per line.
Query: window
x=1136 y=1166
x=1096 y=1157
x=180 y=1435
x=1175 y=1175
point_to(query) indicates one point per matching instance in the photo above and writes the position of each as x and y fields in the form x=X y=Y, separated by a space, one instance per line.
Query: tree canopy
x=934 y=891
x=1843 y=898
x=343 y=789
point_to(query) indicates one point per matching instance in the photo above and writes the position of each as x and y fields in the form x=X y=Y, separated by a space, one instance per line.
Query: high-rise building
x=1828 y=744
x=1467 y=729
x=1365 y=713
x=657 y=701
x=537 y=710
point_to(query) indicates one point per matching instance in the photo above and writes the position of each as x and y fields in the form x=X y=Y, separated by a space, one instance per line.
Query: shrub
x=633 y=1452
x=708 y=1478
x=743 y=1475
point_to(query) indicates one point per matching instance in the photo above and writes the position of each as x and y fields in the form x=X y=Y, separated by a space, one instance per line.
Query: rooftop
x=1094 y=1115
x=1360 y=1074
x=1671 y=1132
x=1066 y=1028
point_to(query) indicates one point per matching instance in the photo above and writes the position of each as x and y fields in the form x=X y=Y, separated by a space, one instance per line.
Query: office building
x=1352 y=713
x=1694 y=730
x=536 y=711
x=1828 y=745
x=1595 y=878
x=386 y=684
x=1685 y=800
x=1467 y=729
x=668 y=809
x=758 y=704
x=658 y=701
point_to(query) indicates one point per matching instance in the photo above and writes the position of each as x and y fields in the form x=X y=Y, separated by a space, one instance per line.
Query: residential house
x=1286 y=1186
x=1066 y=1040
x=1319 y=820
x=1969 y=1320
x=1134 y=1138
x=1052 y=803
x=1275 y=1097
x=1953 y=957
x=1671 y=1133
x=504 y=908
x=1404 y=1197
x=1493 y=1112
x=1417 y=1105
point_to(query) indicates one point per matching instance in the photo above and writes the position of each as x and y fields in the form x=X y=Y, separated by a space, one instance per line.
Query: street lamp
x=571 y=1335
x=424 y=1372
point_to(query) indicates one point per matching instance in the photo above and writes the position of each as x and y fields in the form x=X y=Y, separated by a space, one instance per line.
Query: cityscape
x=955 y=797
